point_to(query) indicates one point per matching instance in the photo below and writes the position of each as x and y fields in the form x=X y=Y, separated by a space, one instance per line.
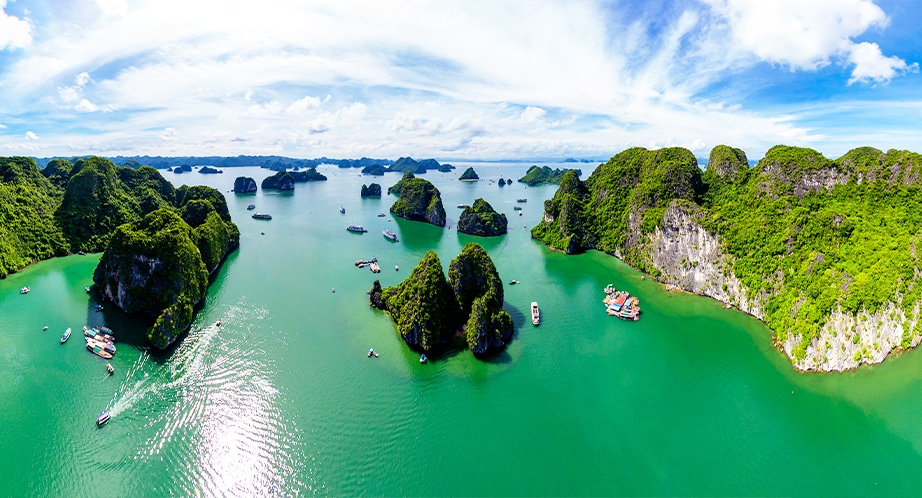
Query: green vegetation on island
x=480 y=219
x=797 y=240
x=374 y=170
x=208 y=170
x=430 y=310
x=307 y=175
x=373 y=190
x=405 y=164
x=282 y=180
x=468 y=175
x=158 y=240
x=244 y=185
x=395 y=188
x=537 y=175
x=419 y=201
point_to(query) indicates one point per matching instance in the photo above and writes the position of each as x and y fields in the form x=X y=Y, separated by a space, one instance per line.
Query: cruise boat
x=66 y=336
x=103 y=418
x=521 y=199
x=251 y=207
x=535 y=314
x=356 y=228
x=391 y=235
x=262 y=216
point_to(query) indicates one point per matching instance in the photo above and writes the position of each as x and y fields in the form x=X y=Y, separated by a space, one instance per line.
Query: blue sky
x=456 y=79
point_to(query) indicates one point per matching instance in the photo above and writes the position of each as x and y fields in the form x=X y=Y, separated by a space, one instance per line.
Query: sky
x=459 y=80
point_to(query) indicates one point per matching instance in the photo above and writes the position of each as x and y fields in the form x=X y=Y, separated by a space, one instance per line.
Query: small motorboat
x=535 y=314
x=423 y=359
x=110 y=369
x=98 y=308
x=87 y=289
x=66 y=336
x=463 y=206
x=396 y=268
x=45 y=327
x=334 y=290
x=520 y=213
x=25 y=290
x=251 y=207
x=372 y=352
x=513 y=282
x=103 y=418
x=381 y=215
x=342 y=210
x=521 y=199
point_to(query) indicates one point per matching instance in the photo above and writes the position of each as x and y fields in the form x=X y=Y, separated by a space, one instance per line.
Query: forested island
x=536 y=175
x=419 y=200
x=285 y=180
x=159 y=243
x=373 y=190
x=469 y=175
x=482 y=220
x=429 y=310
x=823 y=251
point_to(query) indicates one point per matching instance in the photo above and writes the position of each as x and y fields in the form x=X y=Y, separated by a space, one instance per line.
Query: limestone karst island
x=460 y=248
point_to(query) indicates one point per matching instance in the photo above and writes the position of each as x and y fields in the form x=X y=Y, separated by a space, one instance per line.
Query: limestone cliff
x=419 y=201
x=244 y=185
x=481 y=220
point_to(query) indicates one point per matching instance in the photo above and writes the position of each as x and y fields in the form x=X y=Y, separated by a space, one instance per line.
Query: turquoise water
x=282 y=400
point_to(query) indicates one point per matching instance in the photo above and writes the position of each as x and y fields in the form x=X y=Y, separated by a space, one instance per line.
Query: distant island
x=536 y=175
x=159 y=243
x=480 y=219
x=419 y=201
x=209 y=170
x=244 y=185
x=395 y=188
x=373 y=190
x=821 y=250
x=405 y=164
x=429 y=310
x=285 y=180
x=469 y=175
x=374 y=170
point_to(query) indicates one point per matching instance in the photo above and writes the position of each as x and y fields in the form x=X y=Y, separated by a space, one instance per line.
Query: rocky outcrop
x=374 y=170
x=536 y=175
x=279 y=181
x=395 y=188
x=850 y=340
x=481 y=220
x=469 y=175
x=244 y=185
x=502 y=183
x=208 y=170
x=307 y=175
x=446 y=168
x=373 y=190
x=479 y=292
x=419 y=201
x=429 y=310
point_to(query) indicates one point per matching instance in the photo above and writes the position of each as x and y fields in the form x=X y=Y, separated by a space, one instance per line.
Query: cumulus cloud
x=532 y=114
x=169 y=134
x=86 y=106
x=113 y=7
x=300 y=107
x=82 y=78
x=807 y=35
x=31 y=136
x=14 y=32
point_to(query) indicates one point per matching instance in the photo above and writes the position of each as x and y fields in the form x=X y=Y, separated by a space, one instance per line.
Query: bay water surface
x=282 y=399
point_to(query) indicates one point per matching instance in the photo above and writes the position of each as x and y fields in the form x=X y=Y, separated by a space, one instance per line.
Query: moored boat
x=251 y=207
x=375 y=268
x=87 y=289
x=391 y=235
x=25 y=290
x=356 y=228
x=423 y=359
x=342 y=210
x=535 y=314
x=381 y=215
x=66 y=336
x=262 y=216
x=513 y=282
x=463 y=206
x=110 y=369
x=103 y=418
x=362 y=263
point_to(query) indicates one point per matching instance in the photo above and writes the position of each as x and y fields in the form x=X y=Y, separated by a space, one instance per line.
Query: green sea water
x=282 y=400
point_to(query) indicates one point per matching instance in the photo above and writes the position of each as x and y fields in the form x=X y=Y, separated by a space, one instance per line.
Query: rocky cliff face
x=244 y=185
x=682 y=253
x=373 y=190
x=279 y=181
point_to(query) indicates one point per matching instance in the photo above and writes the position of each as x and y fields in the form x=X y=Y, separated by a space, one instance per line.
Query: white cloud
x=532 y=114
x=31 y=136
x=113 y=7
x=2 y=126
x=169 y=134
x=86 y=106
x=82 y=78
x=807 y=35
x=300 y=107
x=871 y=65
x=14 y=32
